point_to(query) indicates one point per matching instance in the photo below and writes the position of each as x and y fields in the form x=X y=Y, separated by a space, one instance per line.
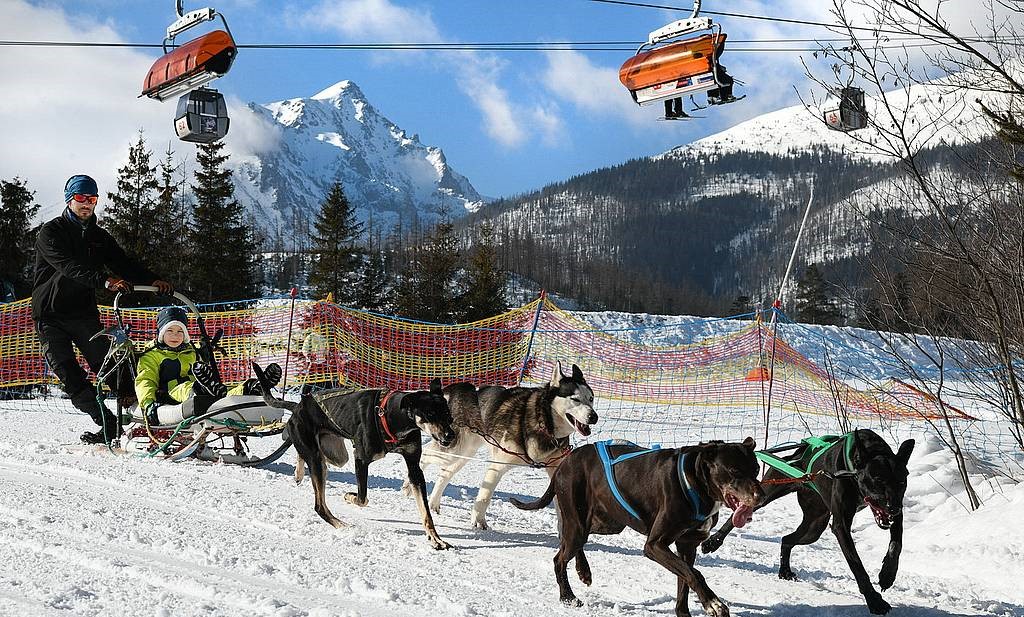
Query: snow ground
x=86 y=532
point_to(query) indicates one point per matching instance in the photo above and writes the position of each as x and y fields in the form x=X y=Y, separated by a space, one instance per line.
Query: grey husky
x=524 y=426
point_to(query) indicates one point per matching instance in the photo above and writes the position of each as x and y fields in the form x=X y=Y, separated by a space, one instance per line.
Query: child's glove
x=151 y=415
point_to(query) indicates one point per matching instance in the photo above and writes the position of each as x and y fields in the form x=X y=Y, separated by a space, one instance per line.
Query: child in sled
x=169 y=371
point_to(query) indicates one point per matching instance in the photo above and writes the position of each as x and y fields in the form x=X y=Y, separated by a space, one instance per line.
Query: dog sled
x=202 y=427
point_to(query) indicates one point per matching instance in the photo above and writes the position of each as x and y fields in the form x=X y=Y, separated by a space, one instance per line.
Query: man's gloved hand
x=163 y=287
x=118 y=284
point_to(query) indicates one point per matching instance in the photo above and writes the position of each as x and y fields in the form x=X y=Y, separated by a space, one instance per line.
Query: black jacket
x=70 y=265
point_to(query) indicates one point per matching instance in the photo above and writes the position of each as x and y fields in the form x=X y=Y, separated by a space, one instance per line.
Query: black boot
x=205 y=377
x=272 y=374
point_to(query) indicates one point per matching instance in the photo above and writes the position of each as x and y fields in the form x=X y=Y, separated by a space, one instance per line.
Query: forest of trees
x=190 y=228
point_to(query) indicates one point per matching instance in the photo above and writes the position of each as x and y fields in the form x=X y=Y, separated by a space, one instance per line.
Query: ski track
x=86 y=532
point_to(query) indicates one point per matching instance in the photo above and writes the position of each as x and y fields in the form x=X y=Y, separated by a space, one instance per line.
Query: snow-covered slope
x=337 y=135
x=937 y=111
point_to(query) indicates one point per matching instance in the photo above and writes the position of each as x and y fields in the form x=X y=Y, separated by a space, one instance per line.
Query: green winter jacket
x=166 y=370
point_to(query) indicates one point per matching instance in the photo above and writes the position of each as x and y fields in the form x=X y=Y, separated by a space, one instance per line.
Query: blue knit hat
x=80 y=184
x=170 y=316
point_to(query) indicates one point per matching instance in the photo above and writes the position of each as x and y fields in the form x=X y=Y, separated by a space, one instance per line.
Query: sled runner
x=203 y=427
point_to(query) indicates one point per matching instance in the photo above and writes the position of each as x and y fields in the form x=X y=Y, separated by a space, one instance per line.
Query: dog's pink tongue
x=742 y=515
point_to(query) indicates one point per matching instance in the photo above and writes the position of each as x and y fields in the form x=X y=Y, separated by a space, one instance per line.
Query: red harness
x=383 y=419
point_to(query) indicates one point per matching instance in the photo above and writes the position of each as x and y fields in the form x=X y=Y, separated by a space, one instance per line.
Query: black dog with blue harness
x=609 y=463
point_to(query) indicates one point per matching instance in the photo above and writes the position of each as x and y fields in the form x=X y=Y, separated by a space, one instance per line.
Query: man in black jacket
x=72 y=253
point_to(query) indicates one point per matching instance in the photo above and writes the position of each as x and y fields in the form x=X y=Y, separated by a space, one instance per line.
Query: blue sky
x=509 y=121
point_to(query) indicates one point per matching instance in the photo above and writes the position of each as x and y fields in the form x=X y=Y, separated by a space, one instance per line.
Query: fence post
x=533 y=332
x=288 y=342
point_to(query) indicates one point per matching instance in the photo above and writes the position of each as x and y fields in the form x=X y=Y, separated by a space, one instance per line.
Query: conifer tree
x=170 y=251
x=222 y=247
x=427 y=290
x=741 y=305
x=130 y=215
x=337 y=256
x=373 y=289
x=16 y=238
x=485 y=282
x=813 y=302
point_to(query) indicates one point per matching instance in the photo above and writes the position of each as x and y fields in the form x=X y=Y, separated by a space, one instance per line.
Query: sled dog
x=524 y=425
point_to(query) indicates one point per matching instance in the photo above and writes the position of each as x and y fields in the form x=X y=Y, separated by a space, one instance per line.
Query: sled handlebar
x=177 y=295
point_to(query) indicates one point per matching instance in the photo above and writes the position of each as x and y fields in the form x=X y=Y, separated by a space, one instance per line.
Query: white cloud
x=70 y=110
x=372 y=21
x=572 y=77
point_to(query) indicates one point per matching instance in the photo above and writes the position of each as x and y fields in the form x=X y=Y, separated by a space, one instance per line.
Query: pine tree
x=337 y=256
x=16 y=238
x=741 y=305
x=170 y=251
x=427 y=290
x=223 y=248
x=373 y=288
x=131 y=214
x=813 y=303
x=485 y=282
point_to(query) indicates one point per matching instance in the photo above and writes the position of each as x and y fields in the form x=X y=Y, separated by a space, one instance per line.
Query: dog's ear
x=556 y=375
x=577 y=374
x=749 y=443
x=903 y=455
x=435 y=386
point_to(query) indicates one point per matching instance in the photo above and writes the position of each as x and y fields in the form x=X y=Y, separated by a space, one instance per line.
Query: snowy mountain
x=337 y=134
x=691 y=229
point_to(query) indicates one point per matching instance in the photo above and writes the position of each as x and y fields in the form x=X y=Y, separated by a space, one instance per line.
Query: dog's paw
x=877 y=605
x=586 y=577
x=716 y=608
x=711 y=545
x=435 y=508
x=786 y=574
x=353 y=498
x=572 y=601
x=439 y=544
x=886 y=577
x=480 y=523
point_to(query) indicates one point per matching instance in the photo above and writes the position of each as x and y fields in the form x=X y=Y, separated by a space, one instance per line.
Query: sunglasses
x=91 y=199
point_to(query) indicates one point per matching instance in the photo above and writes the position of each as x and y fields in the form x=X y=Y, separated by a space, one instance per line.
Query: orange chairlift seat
x=190 y=66
x=201 y=115
x=681 y=68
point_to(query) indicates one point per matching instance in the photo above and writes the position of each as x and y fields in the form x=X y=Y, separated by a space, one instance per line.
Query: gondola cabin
x=675 y=70
x=851 y=114
x=190 y=66
x=202 y=116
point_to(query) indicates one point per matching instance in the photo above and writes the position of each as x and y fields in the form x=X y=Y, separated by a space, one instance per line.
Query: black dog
x=377 y=423
x=872 y=477
x=668 y=506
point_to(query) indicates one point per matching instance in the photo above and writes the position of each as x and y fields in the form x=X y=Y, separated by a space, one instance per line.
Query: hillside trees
x=428 y=289
x=814 y=301
x=17 y=207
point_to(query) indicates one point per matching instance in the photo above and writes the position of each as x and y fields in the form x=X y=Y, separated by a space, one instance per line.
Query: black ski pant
x=57 y=337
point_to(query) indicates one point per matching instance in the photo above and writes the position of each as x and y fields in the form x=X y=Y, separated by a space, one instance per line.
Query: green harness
x=816 y=447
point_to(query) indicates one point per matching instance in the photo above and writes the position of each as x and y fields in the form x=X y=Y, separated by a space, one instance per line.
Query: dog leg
x=419 y=487
x=689 y=554
x=572 y=537
x=300 y=469
x=318 y=475
x=891 y=561
x=841 y=528
x=362 y=475
x=657 y=549
x=814 y=522
x=466 y=447
x=483 y=498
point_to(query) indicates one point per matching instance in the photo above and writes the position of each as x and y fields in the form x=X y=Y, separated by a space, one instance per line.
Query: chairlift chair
x=185 y=70
x=851 y=113
x=682 y=68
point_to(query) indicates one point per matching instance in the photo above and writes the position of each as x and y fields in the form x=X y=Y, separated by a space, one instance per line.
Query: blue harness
x=608 y=462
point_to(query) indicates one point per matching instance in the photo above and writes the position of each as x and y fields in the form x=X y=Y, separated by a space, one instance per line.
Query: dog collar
x=691 y=493
x=382 y=415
